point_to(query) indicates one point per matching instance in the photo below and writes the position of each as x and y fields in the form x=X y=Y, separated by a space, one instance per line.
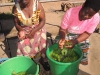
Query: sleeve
x=93 y=24
x=65 y=20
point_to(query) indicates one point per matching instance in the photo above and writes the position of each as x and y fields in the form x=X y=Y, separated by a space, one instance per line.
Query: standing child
x=78 y=24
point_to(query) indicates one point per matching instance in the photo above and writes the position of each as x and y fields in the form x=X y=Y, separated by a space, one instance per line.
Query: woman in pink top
x=79 y=23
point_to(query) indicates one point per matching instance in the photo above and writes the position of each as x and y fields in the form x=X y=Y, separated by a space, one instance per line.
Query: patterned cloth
x=36 y=45
x=83 y=45
x=34 y=19
x=30 y=47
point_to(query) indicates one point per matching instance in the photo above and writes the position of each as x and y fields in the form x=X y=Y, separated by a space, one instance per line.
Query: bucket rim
x=62 y=63
x=13 y=58
x=37 y=65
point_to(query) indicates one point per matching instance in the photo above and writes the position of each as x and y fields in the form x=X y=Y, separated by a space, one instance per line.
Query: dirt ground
x=53 y=19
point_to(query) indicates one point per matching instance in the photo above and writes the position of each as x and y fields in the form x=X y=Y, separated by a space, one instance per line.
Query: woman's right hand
x=61 y=43
x=21 y=35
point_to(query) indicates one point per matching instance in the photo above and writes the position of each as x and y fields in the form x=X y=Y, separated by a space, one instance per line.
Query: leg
x=85 y=49
x=84 y=61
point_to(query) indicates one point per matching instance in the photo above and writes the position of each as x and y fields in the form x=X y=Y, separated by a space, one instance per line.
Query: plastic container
x=59 y=68
x=3 y=59
x=18 y=64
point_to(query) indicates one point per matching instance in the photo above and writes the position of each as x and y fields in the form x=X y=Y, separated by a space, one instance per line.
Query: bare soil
x=53 y=19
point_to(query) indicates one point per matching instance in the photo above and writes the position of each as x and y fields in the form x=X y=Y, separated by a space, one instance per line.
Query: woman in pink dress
x=78 y=24
x=29 y=20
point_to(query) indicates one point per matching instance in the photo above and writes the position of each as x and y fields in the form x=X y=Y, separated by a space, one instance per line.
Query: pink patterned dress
x=36 y=45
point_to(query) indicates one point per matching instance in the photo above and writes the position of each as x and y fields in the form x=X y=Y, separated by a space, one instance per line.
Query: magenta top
x=71 y=22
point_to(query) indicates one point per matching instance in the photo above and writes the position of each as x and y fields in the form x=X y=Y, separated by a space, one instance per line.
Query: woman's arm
x=21 y=34
x=83 y=37
x=41 y=17
x=62 y=34
x=41 y=20
x=17 y=22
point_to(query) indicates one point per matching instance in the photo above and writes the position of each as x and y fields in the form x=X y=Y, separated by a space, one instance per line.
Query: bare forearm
x=19 y=28
x=62 y=33
x=41 y=18
x=83 y=37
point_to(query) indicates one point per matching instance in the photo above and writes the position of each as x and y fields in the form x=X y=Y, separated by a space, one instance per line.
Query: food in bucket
x=64 y=55
x=21 y=73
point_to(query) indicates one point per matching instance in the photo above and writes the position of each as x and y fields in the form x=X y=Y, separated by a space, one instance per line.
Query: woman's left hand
x=71 y=43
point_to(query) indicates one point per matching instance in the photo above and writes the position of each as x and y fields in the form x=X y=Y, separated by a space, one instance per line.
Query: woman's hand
x=21 y=35
x=61 y=43
x=30 y=35
x=71 y=43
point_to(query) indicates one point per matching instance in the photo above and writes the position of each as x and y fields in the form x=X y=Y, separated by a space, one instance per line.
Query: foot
x=45 y=64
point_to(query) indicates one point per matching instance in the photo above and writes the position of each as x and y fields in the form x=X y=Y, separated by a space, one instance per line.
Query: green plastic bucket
x=59 y=68
x=19 y=64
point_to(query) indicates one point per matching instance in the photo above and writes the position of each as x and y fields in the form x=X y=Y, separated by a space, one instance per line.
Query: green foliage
x=4 y=16
x=21 y=73
x=65 y=55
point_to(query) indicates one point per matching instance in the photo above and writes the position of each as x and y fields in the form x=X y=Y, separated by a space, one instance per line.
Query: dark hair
x=15 y=1
x=94 y=4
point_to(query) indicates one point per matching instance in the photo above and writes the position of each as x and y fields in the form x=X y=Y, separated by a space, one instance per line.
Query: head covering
x=94 y=4
x=15 y=1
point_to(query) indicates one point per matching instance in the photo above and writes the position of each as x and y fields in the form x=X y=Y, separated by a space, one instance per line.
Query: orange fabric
x=84 y=63
x=30 y=21
x=85 y=50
